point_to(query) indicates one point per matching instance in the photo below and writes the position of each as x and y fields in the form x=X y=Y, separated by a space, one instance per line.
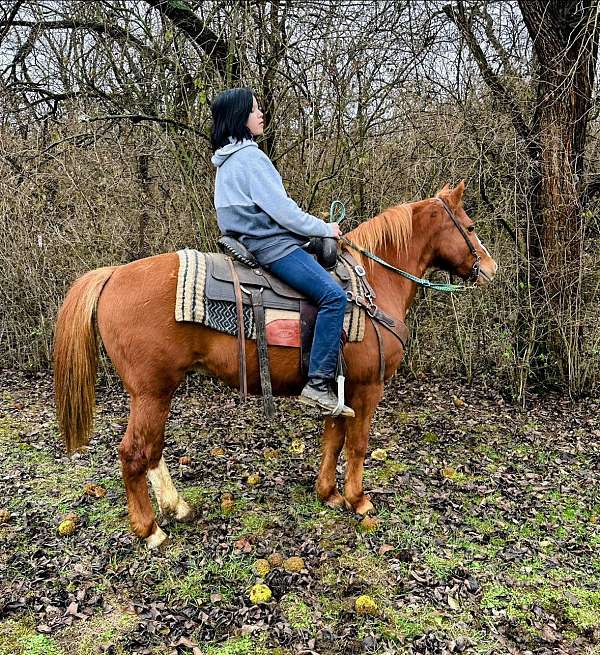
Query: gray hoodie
x=253 y=206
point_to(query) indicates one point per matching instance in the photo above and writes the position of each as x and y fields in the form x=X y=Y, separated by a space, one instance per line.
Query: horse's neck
x=396 y=293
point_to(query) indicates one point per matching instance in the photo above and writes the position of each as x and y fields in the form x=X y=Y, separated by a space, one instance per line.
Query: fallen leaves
x=94 y=490
x=502 y=543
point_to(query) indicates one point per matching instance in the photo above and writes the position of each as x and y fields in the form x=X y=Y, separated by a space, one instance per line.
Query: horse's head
x=457 y=248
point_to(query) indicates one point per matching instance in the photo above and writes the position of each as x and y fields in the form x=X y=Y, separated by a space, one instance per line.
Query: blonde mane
x=393 y=227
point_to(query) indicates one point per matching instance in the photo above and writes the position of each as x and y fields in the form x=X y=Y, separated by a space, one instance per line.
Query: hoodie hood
x=223 y=154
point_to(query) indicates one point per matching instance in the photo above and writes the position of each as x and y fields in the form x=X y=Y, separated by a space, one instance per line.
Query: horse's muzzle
x=487 y=272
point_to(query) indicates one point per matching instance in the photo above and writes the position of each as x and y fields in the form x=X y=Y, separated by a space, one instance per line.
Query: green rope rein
x=337 y=213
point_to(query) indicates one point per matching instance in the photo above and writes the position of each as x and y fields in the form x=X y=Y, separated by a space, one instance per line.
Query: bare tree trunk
x=565 y=41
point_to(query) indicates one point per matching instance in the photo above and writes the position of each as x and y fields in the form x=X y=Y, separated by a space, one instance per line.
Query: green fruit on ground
x=66 y=528
x=293 y=564
x=262 y=567
x=368 y=524
x=366 y=605
x=275 y=559
x=260 y=593
x=379 y=454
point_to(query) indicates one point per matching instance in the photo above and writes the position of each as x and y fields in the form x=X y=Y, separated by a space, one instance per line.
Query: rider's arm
x=268 y=192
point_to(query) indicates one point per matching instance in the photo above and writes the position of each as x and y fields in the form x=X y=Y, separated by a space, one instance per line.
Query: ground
x=487 y=538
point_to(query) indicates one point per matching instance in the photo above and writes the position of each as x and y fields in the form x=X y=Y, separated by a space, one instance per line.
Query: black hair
x=230 y=112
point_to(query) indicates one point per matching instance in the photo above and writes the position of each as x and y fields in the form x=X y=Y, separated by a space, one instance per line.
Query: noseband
x=477 y=263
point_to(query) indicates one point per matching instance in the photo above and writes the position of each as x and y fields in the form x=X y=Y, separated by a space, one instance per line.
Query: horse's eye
x=471 y=228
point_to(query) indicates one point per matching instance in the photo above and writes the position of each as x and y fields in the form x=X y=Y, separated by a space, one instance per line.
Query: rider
x=253 y=206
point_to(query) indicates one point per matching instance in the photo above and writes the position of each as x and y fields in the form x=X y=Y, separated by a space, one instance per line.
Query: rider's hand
x=337 y=233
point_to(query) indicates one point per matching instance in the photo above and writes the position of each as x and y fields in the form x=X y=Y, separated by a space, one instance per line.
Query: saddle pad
x=282 y=324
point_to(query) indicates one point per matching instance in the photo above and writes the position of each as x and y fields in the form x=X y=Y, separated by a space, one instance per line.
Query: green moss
x=20 y=638
x=100 y=632
x=306 y=508
x=223 y=577
x=576 y=605
x=387 y=471
x=442 y=567
x=254 y=523
x=409 y=622
x=243 y=646
x=236 y=646
x=297 y=612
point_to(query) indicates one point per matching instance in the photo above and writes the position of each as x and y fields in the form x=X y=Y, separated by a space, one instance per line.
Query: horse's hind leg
x=332 y=443
x=170 y=503
x=141 y=451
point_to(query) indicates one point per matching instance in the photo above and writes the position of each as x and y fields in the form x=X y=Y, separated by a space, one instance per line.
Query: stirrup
x=336 y=411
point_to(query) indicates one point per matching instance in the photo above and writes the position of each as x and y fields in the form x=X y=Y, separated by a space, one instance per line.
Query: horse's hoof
x=363 y=507
x=335 y=500
x=183 y=512
x=157 y=540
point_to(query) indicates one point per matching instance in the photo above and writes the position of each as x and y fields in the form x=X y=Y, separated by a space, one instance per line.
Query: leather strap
x=362 y=279
x=397 y=328
x=381 y=350
x=263 y=353
x=240 y=330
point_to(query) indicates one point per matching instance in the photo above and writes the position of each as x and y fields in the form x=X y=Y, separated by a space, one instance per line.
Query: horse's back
x=136 y=320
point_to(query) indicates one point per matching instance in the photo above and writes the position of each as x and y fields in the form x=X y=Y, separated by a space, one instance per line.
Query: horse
x=131 y=308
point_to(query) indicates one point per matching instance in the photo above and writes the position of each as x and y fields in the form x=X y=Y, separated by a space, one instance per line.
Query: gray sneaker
x=318 y=393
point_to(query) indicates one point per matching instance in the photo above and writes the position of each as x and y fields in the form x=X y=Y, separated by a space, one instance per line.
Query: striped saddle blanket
x=205 y=295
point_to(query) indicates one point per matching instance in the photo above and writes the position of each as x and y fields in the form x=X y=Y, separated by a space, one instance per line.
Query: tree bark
x=565 y=42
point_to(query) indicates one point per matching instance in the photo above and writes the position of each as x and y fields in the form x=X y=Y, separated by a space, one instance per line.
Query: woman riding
x=254 y=208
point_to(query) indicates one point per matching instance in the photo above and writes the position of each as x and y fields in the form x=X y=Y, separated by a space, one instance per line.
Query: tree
x=564 y=36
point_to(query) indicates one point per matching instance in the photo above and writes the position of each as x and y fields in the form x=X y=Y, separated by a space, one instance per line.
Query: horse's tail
x=76 y=358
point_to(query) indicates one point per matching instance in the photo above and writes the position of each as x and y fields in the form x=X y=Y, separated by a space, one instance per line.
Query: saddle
x=275 y=293
x=239 y=279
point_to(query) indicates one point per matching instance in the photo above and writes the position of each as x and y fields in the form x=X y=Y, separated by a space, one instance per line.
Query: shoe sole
x=327 y=411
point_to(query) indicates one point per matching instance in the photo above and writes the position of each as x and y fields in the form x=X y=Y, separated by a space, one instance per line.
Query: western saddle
x=240 y=279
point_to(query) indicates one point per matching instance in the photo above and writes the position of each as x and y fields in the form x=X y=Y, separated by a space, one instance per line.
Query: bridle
x=337 y=213
x=477 y=259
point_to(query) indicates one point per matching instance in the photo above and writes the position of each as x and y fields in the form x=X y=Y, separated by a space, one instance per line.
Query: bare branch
x=187 y=21
x=458 y=16
x=138 y=118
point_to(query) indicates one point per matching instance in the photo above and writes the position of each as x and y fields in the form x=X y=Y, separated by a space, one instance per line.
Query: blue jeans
x=303 y=273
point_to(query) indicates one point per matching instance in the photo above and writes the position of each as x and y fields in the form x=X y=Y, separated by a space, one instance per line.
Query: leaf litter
x=487 y=534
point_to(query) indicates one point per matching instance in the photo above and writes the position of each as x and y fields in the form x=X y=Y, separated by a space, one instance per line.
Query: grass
x=493 y=508
x=299 y=615
x=204 y=579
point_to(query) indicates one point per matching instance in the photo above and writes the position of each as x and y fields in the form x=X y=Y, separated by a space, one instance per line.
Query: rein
x=337 y=213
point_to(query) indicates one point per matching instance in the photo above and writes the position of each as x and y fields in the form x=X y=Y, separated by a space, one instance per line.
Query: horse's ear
x=456 y=194
x=446 y=189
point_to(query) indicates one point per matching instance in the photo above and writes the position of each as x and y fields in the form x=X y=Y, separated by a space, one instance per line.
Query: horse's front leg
x=364 y=400
x=332 y=443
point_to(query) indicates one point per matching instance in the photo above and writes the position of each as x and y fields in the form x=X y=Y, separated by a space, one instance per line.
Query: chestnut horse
x=134 y=310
